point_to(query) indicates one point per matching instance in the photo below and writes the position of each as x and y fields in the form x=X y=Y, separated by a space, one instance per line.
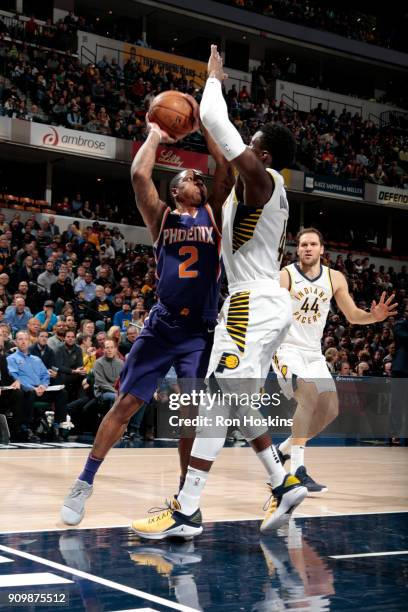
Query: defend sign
x=389 y=196
x=74 y=141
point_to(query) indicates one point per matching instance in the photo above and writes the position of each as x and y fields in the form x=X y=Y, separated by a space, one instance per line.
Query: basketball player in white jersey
x=255 y=317
x=299 y=363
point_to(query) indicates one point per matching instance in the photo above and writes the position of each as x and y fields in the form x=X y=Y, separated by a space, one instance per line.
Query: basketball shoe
x=169 y=523
x=282 y=502
x=73 y=509
x=307 y=481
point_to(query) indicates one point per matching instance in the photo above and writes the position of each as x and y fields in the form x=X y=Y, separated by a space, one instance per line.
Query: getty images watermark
x=225 y=409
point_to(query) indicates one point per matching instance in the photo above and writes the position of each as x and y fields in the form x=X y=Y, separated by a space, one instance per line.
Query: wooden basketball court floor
x=363 y=514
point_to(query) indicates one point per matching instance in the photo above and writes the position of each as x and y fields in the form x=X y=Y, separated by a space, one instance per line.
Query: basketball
x=173 y=112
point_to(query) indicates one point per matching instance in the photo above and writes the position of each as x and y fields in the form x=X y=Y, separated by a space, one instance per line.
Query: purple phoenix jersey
x=188 y=263
x=179 y=329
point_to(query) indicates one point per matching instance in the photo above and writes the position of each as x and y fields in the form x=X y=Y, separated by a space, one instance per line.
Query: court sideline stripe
x=373 y=554
x=221 y=520
x=107 y=583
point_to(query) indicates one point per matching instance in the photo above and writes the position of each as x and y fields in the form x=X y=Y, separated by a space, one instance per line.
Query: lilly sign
x=82 y=143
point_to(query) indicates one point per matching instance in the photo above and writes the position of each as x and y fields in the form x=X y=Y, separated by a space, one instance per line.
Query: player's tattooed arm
x=147 y=199
x=380 y=311
x=223 y=180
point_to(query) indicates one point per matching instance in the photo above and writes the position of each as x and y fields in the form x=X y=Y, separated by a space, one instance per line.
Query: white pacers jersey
x=253 y=239
x=310 y=306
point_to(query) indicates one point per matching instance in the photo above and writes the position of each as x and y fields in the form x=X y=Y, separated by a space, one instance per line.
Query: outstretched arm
x=258 y=185
x=223 y=180
x=378 y=312
x=147 y=199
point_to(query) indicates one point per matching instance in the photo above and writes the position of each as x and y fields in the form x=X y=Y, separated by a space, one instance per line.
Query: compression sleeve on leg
x=214 y=115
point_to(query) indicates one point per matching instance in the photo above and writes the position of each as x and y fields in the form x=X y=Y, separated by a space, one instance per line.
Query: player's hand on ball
x=196 y=112
x=154 y=127
x=215 y=65
x=384 y=308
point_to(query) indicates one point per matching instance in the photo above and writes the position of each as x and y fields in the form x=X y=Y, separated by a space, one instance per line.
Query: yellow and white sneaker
x=169 y=523
x=282 y=502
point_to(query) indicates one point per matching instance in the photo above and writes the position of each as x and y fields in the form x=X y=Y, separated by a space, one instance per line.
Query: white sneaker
x=282 y=502
x=73 y=510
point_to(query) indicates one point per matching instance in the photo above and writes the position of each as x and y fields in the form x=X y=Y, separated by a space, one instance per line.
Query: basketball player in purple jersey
x=179 y=330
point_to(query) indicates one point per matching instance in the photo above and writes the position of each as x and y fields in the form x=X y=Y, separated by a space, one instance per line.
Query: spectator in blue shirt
x=123 y=317
x=46 y=317
x=18 y=315
x=34 y=379
x=87 y=286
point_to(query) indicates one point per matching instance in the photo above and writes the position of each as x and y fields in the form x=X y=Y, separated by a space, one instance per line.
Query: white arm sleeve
x=214 y=115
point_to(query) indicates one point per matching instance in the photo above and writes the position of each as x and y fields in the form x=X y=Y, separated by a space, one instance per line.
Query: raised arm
x=147 y=199
x=378 y=312
x=223 y=180
x=258 y=184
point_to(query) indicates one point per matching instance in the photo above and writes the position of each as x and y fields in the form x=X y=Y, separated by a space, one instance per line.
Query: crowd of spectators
x=330 y=17
x=72 y=304
x=61 y=35
x=49 y=87
x=341 y=145
x=68 y=316
x=106 y=99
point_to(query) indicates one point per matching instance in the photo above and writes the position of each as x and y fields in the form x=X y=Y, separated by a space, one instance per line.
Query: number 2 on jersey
x=184 y=272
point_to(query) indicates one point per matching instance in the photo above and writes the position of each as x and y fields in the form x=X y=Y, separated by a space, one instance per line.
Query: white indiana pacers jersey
x=253 y=239
x=310 y=306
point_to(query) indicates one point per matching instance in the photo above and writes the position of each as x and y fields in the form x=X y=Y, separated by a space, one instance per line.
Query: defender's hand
x=215 y=65
x=384 y=308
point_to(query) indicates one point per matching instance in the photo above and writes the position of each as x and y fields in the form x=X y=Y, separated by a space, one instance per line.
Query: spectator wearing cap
x=46 y=317
x=17 y=316
x=47 y=278
x=123 y=317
